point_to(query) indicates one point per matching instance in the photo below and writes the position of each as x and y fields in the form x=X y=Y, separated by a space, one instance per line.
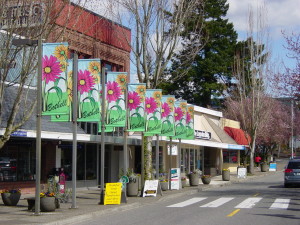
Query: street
x=263 y=200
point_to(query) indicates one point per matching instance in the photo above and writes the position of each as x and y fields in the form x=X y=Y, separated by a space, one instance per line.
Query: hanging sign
x=174 y=149
x=150 y=188
x=136 y=107
x=113 y=194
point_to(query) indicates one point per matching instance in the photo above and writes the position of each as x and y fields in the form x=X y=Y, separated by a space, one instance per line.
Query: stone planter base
x=47 y=204
x=10 y=199
x=164 y=186
x=132 y=188
x=225 y=175
x=264 y=167
x=194 y=179
x=206 y=180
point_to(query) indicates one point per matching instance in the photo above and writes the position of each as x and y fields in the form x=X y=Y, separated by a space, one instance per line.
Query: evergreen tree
x=211 y=70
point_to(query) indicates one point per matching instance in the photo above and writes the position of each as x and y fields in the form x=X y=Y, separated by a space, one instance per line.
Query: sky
x=280 y=15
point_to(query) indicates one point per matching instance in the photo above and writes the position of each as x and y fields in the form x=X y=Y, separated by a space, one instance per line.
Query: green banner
x=190 y=133
x=88 y=89
x=153 y=111
x=54 y=79
x=66 y=117
x=167 y=115
x=136 y=107
x=115 y=99
x=180 y=119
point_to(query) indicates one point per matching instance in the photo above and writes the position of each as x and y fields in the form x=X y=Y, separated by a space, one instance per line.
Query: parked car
x=292 y=173
x=8 y=169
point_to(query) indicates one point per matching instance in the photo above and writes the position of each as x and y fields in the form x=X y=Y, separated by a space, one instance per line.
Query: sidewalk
x=88 y=203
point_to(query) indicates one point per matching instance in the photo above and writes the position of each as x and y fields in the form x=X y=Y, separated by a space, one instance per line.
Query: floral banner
x=167 y=115
x=88 y=88
x=136 y=107
x=190 y=134
x=54 y=79
x=153 y=111
x=115 y=97
x=180 y=119
x=66 y=117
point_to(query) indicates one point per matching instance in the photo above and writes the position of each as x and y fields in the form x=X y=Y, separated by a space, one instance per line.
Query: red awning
x=238 y=135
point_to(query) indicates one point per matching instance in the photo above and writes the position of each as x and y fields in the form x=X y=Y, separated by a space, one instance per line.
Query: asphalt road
x=262 y=201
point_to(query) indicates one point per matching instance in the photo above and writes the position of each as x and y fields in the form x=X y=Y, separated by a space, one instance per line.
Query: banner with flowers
x=136 y=107
x=66 y=117
x=190 y=134
x=153 y=111
x=54 y=79
x=180 y=119
x=167 y=115
x=115 y=99
x=88 y=88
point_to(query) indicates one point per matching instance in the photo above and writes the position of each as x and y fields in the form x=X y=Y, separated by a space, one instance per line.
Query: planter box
x=264 y=167
x=164 y=186
x=225 y=175
x=10 y=199
x=194 y=179
x=132 y=188
x=206 y=180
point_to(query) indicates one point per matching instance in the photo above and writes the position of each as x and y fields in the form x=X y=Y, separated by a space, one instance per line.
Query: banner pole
x=102 y=135
x=157 y=157
x=170 y=164
x=74 y=121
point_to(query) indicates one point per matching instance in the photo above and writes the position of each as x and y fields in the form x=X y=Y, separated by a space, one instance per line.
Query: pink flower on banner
x=134 y=100
x=85 y=81
x=51 y=68
x=178 y=114
x=150 y=105
x=188 y=117
x=165 y=110
x=113 y=92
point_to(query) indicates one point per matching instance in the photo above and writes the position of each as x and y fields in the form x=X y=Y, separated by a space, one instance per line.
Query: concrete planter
x=264 y=167
x=194 y=179
x=132 y=188
x=164 y=186
x=10 y=199
x=226 y=175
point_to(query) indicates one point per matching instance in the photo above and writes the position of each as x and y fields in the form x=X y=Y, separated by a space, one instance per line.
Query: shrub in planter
x=11 y=197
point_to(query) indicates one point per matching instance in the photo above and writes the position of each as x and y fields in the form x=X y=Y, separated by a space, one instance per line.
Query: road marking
x=248 y=203
x=256 y=195
x=280 y=203
x=217 y=202
x=187 y=202
x=233 y=213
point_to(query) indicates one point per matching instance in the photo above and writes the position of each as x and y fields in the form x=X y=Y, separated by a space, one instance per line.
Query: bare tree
x=24 y=19
x=249 y=104
x=157 y=27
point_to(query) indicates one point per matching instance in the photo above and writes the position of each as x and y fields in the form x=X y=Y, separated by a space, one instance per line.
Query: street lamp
x=29 y=42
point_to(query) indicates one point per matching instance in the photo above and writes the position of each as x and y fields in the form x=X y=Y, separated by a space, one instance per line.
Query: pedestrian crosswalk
x=248 y=203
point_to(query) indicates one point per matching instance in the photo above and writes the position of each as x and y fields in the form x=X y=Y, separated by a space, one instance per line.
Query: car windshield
x=294 y=165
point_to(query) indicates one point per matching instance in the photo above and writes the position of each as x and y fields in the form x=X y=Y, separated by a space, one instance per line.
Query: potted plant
x=264 y=167
x=48 y=201
x=225 y=174
x=194 y=177
x=132 y=187
x=206 y=179
x=164 y=184
x=183 y=181
x=11 y=197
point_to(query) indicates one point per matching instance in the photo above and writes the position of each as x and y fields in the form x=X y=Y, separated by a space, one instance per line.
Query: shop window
x=230 y=156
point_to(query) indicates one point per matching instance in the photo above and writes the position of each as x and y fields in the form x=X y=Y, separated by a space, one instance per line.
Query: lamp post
x=29 y=42
x=292 y=133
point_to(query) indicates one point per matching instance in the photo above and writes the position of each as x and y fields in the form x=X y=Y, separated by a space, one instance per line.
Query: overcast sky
x=281 y=15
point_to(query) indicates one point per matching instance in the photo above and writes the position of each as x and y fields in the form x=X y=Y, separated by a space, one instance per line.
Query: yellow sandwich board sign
x=113 y=194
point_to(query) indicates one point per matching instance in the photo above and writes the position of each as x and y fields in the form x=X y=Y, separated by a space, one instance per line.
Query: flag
x=190 y=134
x=153 y=111
x=167 y=115
x=136 y=107
x=88 y=89
x=54 y=79
x=180 y=119
x=115 y=99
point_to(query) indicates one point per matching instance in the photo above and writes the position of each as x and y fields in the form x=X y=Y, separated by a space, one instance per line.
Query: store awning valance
x=238 y=135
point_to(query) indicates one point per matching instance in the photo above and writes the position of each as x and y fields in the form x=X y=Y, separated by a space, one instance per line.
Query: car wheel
x=286 y=185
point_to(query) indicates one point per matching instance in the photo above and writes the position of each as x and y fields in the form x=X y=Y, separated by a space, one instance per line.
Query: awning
x=238 y=135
